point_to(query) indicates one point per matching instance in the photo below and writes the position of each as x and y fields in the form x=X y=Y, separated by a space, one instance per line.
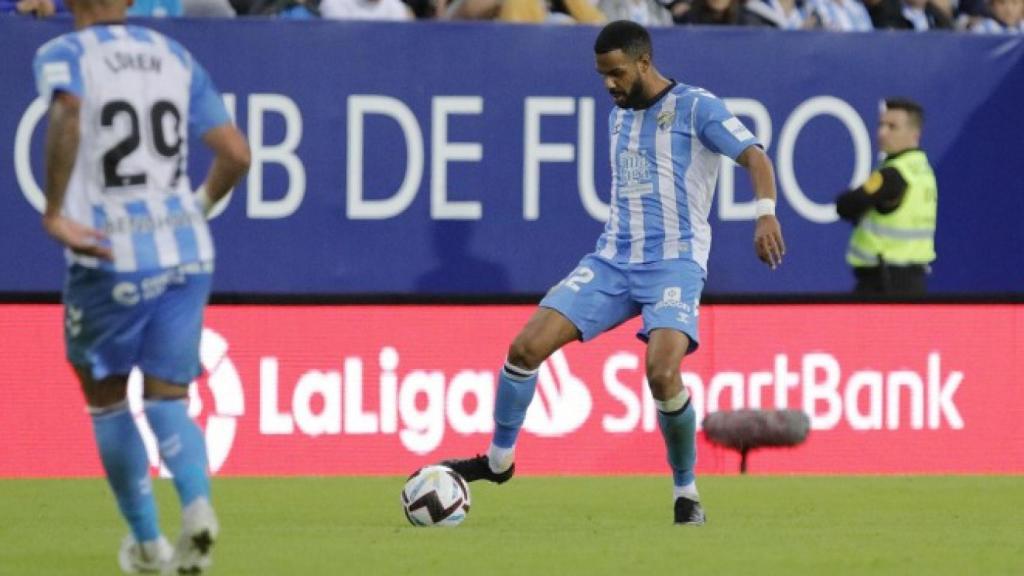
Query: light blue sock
x=127 y=468
x=679 y=428
x=515 y=392
x=182 y=448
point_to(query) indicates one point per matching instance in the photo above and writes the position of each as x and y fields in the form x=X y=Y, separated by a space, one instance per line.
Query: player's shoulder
x=65 y=46
x=690 y=94
x=170 y=44
x=702 y=104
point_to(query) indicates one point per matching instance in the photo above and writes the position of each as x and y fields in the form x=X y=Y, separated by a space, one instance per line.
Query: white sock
x=500 y=459
x=689 y=491
x=673 y=404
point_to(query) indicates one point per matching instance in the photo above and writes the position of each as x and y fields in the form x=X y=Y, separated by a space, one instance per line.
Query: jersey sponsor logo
x=148 y=224
x=634 y=174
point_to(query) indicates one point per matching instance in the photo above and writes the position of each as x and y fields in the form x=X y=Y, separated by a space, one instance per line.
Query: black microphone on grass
x=749 y=429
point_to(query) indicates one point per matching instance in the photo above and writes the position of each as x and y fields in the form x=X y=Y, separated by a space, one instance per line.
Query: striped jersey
x=993 y=26
x=141 y=95
x=772 y=11
x=842 y=15
x=664 y=163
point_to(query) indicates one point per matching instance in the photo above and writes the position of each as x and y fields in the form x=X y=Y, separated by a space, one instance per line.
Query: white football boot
x=199 y=529
x=152 y=557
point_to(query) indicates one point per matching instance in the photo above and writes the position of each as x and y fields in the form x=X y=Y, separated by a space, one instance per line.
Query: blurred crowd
x=973 y=16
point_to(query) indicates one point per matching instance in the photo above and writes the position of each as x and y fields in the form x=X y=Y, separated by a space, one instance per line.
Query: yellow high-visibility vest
x=905 y=236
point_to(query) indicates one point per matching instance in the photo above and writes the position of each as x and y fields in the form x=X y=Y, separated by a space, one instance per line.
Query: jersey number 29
x=167 y=149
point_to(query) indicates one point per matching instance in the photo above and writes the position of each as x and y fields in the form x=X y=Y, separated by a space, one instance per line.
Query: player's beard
x=634 y=97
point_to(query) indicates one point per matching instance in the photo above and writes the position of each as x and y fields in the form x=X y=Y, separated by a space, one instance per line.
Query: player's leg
x=170 y=361
x=181 y=443
x=545 y=332
x=670 y=292
x=182 y=449
x=126 y=466
x=592 y=299
x=676 y=419
x=102 y=325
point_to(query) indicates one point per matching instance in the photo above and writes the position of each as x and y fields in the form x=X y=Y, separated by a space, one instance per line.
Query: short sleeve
x=719 y=130
x=206 y=109
x=57 y=68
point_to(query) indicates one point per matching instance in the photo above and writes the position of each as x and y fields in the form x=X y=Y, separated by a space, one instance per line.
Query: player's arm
x=230 y=162
x=883 y=191
x=62 y=136
x=723 y=133
x=208 y=117
x=768 y=240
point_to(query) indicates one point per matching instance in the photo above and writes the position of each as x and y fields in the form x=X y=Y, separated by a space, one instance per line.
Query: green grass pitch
x=552 y=525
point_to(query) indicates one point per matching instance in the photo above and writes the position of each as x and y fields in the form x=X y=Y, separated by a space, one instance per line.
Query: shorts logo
x=129 y=294
x=73 y=320
x=672 y=297
x=125 y=294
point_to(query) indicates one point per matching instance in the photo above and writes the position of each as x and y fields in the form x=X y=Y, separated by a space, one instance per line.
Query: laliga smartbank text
x=420 y=405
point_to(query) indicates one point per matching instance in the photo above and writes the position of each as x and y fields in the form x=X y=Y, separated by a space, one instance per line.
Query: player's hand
x=80 y=239
x=768 y=241
x=37 y=8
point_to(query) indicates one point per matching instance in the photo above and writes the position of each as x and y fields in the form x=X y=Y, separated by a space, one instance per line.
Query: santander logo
x=562 y=403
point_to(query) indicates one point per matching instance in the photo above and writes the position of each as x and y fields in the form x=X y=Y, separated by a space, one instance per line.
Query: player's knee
x=105 y=393
x=664 y=380
x=525 y=353
x=157 y=389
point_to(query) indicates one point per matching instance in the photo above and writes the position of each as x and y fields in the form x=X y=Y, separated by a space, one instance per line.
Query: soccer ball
x=435 y=496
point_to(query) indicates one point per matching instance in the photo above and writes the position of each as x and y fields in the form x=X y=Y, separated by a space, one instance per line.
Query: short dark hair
x=914 y=110
x=630 y=37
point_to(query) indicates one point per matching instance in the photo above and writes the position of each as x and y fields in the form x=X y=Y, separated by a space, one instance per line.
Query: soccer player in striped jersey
x=123 y=101
x=651 y=260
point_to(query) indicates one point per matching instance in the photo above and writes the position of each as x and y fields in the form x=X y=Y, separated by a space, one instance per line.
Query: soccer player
x=651 y=259
x=123 y=101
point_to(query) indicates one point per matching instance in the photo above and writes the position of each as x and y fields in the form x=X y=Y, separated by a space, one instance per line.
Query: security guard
x=893 y=213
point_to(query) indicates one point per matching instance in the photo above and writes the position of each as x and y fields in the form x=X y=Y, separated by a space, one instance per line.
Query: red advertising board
x=293 y=390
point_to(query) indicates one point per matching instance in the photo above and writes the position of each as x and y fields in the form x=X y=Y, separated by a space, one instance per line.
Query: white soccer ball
x=435 y=496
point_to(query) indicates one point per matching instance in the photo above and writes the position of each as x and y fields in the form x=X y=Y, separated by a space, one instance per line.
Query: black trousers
x=888 y=279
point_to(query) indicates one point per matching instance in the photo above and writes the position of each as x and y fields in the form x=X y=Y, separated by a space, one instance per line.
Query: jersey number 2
x=581 y=275
x=113 y=157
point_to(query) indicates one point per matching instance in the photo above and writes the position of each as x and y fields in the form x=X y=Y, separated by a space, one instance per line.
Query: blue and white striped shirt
x=993 y=26
x=664 y=162
x=142 y=94
x=842 y=15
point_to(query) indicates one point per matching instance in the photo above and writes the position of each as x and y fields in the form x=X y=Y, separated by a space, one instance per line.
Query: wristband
x=764 y=207
x=203 y=201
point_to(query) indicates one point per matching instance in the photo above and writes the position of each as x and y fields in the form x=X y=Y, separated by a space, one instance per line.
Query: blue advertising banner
x=472 y=158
